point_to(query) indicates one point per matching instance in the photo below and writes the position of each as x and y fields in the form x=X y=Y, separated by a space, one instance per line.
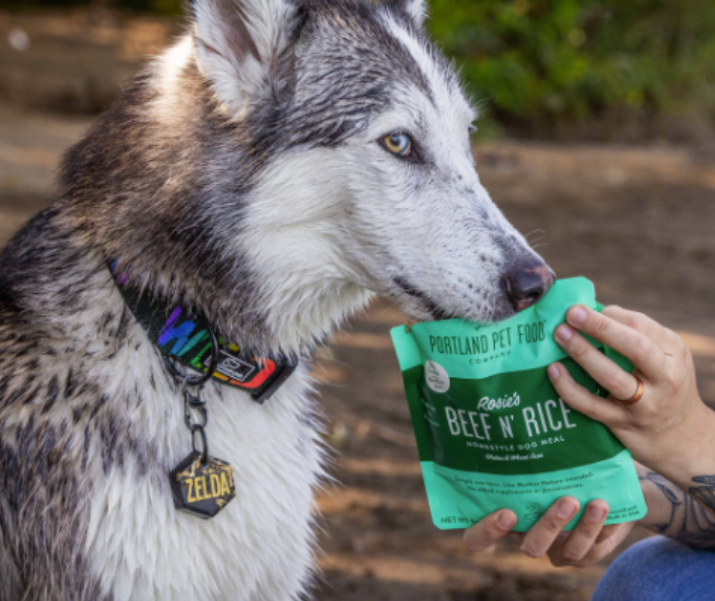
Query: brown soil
x=636 y=221
x=76 y=61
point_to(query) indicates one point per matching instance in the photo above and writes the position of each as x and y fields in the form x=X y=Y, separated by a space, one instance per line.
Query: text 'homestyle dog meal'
x=491 y=430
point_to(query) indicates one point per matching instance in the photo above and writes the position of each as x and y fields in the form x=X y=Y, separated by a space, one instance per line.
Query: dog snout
x=527 y=284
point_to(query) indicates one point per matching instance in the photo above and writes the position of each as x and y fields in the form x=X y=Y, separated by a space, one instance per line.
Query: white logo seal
x=436 y=377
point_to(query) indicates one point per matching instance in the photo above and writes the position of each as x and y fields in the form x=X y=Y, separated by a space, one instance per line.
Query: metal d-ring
x=202 y=379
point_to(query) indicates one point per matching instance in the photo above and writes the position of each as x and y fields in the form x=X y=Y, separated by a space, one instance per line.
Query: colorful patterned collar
x=187 y=340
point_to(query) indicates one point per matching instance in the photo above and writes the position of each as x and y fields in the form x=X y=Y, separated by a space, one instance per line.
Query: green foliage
x=549 y=62
x=572 y=59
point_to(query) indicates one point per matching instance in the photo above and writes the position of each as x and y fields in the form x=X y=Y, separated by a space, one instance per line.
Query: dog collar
x=186 y=339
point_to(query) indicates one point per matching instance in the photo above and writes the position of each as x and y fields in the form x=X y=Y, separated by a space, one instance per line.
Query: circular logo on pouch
x=436 y=377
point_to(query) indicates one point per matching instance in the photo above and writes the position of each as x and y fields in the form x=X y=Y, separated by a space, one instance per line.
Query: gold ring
x=637 y=396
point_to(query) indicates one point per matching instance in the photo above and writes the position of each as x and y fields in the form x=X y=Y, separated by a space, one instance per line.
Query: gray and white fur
x=244 y=174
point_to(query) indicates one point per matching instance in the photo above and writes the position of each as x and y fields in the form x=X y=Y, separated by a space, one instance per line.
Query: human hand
x=670 y=427
x=586 y=544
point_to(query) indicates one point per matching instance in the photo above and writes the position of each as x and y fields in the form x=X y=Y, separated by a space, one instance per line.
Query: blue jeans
x=658 y=569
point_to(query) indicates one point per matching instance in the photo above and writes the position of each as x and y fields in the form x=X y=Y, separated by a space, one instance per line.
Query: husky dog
x=277 y=167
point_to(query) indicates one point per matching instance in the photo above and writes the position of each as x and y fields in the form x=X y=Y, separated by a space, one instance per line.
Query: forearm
x=686 y=517
x=685 y=454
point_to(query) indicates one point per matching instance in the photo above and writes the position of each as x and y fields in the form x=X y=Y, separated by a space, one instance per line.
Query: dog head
x=343 y=141
x=371 y=178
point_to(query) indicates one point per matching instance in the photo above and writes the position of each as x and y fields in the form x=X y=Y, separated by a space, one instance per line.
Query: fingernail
x=506 y=520
x=566 y=509
x=553 y=371
x=577 y=315
x=526 y=550
x=596 y=512
x=564 y=333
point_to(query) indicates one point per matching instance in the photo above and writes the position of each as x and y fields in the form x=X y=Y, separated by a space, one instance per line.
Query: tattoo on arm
x=705 y=493
x=692 y=516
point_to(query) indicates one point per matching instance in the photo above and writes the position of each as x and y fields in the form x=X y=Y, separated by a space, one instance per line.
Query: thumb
x=489 y=530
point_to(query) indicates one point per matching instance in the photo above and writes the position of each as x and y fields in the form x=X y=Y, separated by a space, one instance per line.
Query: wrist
x=689 y=452
x=652 y=495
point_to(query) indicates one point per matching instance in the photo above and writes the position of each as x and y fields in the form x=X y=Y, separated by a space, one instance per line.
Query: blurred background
x=597 y=139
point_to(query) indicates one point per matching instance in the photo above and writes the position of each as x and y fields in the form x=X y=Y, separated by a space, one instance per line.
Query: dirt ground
x=637 y=221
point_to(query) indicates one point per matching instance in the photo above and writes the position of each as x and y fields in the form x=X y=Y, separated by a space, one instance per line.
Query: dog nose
x=527 y=284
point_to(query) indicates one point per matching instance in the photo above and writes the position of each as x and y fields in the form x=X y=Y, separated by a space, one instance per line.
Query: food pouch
x=491 y=430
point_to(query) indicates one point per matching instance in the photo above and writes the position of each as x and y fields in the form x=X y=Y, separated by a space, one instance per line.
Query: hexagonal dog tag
x=202 y=488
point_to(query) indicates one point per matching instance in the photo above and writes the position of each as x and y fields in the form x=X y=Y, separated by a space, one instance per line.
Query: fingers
x=582 y=539
x=607 y=532
x=543 y=534
x=483 y=535
x=645 y=354
x=586 y=544
x=618 y=382
x=580 y=399
x=606 y=543
x=665 y=338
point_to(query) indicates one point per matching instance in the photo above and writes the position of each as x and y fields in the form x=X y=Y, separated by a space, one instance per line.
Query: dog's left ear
x=414 y=9
x=240 y=44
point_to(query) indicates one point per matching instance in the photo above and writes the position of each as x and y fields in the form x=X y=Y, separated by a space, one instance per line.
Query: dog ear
x=240 y=42
x=414 y=9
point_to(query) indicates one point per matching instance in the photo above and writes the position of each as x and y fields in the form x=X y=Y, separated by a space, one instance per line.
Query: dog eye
x=399 y=144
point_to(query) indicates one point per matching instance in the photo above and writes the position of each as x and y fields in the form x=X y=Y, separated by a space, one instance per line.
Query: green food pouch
x=491 y=430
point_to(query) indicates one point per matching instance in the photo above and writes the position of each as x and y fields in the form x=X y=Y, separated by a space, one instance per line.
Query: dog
x=282 y=163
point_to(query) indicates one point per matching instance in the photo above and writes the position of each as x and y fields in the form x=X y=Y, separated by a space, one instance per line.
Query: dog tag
x=202 y=489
